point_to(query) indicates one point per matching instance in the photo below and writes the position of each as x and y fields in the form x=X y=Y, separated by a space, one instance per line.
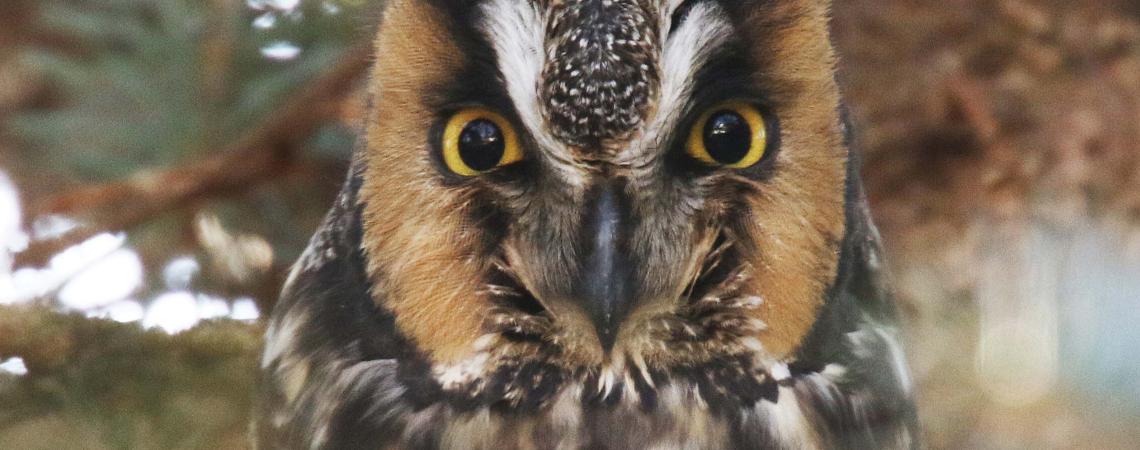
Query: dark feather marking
x=343 y=326
x=601 y=70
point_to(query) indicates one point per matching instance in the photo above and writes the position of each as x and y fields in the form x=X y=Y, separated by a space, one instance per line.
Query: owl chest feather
x=373 y=404
x=680 y=416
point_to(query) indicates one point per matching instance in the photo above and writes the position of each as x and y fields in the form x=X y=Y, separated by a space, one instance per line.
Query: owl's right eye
x=732 y=134
x=476 y=140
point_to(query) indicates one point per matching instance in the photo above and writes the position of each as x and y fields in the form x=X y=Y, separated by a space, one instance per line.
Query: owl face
x=602 y=186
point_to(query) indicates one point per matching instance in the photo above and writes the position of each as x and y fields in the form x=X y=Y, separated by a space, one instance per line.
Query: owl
x=602 y=224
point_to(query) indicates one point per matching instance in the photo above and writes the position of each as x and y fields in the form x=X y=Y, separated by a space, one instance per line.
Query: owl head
x=599 y=188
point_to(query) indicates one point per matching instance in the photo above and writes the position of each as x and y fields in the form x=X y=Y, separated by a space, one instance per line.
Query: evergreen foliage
x=146 y=83
x=140 y=85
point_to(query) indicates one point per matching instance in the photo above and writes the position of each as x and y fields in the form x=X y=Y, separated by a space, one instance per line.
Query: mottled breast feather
x=601 y=68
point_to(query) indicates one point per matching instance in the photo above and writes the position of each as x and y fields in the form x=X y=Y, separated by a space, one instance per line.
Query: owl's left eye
x=732 y=134
x=476 y=140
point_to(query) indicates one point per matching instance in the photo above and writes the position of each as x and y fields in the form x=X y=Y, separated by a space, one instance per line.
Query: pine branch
x=121 y=378
x=258 y=157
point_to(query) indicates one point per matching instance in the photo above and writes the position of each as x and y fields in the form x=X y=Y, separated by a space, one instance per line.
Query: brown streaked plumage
x=609 y=289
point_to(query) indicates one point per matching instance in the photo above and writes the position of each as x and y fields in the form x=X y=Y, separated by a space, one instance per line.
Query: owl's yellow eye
x=476 y=140
x=732 y=134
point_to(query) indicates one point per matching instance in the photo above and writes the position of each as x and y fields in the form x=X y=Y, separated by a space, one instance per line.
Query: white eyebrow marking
x=686 y=50
x=668 y=7
x=515 y=29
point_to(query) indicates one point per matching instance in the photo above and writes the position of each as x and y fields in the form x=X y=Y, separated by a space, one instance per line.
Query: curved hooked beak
x=605 y=284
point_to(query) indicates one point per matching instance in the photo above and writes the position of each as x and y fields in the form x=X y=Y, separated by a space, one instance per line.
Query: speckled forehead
x=601 y=71
x=590 y=75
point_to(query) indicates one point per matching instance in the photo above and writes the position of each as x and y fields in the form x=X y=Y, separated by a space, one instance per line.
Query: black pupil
x=727 y=137
x=481 y=145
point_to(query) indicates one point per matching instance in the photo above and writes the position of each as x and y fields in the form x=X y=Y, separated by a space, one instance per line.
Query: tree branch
x=266 y=151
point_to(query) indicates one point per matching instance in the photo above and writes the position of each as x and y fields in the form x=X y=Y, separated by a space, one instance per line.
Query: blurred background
x=163 y=162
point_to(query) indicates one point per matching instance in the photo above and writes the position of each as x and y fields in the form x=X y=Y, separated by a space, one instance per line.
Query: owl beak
x=605 y=287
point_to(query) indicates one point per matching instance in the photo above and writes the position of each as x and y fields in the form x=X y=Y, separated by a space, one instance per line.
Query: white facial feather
x=515 y=30
x=279 y=337
x=898 y=358
x=788 y=422
x=865 y=342
x=687 y=50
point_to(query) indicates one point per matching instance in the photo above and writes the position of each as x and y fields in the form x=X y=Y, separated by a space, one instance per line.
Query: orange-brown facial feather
x=799 y=214
x=795 y=220
x=420 y=249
